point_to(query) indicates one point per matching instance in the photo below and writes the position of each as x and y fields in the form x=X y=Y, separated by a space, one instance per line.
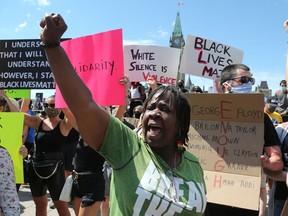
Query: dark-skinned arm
x=91 y=119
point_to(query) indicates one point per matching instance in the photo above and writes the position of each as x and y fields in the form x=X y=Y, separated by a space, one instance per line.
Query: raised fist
x=53 y=27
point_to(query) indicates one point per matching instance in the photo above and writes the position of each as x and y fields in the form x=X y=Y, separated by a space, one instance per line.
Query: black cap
x=272 y=100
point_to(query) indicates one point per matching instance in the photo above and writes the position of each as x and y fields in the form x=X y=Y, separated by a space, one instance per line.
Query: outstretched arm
x=277 y=175
x=91 y=119
x=120 y=110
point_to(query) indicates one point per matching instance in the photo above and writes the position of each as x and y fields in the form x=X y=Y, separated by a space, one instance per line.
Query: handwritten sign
x=11 y=128
x=159 y=62
x=228 y=137
x=18 y=93
x=206 y=58
x=98 y=60
x=24 y=65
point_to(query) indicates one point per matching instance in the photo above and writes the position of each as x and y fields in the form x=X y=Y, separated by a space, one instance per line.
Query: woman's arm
x=276 y=175
x=69 y=115
x=120 y=110
x=91 y=119
x=66 y=125
x=32 y=121
x=13 y=107
x=25 y=105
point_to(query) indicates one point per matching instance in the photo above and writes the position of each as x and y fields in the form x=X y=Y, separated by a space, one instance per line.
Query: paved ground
x=28 y=206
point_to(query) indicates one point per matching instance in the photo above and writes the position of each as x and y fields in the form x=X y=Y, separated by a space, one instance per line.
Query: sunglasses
x=245 y=79
x=52 y=105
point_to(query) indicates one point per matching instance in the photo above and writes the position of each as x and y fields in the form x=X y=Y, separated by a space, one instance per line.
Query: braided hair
x=181 y=104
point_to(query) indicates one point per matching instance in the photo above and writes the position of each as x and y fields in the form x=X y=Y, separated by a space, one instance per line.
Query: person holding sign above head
x=152 y=175
x=237 y=78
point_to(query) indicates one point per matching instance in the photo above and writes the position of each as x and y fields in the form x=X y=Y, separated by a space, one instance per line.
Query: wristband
x=49 y=45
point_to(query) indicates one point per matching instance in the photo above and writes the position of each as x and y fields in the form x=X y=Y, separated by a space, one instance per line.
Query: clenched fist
x=53 y=27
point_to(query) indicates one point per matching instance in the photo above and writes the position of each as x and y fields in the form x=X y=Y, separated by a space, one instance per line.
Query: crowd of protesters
x=114 y=161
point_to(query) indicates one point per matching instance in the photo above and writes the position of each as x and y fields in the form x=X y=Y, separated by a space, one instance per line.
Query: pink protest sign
x=98 y=60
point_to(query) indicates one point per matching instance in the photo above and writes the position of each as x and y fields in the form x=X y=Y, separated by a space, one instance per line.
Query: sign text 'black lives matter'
x=23 y=65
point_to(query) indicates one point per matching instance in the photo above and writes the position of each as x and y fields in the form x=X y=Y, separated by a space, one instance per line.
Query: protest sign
x=142 y=61
x=11 y=129
x=206 y=58
x=98 y=61
x=18 y=93
x=24 y=65
x=227 y=136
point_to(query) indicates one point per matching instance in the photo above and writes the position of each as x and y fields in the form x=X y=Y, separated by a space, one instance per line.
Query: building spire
x=177 y=39
x=177 y=27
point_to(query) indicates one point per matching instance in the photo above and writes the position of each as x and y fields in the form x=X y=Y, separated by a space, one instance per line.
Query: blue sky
x=254 y=26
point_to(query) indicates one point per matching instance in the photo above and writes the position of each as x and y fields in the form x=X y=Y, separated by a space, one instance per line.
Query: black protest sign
x=24 y=65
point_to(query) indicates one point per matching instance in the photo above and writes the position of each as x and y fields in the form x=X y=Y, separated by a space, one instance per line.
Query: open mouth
x=154 y=130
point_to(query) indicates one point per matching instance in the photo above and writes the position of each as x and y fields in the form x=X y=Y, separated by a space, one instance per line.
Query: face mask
x=244 y=88
x=180 y=85
x=271 y=109
x=51 y=112
x=283 y=88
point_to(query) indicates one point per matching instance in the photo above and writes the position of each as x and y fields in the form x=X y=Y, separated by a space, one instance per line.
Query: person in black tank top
x=88 y=180
x=49 y=140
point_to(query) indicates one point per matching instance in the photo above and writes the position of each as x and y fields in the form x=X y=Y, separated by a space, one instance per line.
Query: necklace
x=172 y=188
x=167 y=175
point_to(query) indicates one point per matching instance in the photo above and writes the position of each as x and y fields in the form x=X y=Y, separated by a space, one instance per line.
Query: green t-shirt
x=143 y=184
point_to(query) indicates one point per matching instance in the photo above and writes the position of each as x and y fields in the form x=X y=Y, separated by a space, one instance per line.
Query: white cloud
x=21 y=26
x=159 y=33
x=139 y=42
x=41 y=3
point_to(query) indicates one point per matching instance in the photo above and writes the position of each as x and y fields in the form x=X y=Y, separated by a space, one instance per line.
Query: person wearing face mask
x=237 y=78
x=281 y=94
x=270 y=110
x=49 y=141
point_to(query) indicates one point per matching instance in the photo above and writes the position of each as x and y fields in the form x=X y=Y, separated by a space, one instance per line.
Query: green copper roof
x=177 y=27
